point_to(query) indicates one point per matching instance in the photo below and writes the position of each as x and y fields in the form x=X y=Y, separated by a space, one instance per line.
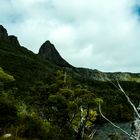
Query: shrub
x=8 y=113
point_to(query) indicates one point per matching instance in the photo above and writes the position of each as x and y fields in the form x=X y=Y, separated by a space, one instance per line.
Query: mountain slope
x=29 y=68
x=24 y=64
x=49 y=52
x=41 y=94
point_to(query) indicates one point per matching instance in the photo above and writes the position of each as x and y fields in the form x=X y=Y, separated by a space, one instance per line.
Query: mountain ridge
x=49 y=54
x=35 y=73
x=48 y=51
x=11 y=39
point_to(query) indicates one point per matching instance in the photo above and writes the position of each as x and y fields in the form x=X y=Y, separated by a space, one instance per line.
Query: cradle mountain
x=45 y=86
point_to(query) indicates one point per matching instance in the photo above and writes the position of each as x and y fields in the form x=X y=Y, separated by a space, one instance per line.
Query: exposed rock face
x=3 y=34
x=11 y=39
x=49 y=52
x=94 y=74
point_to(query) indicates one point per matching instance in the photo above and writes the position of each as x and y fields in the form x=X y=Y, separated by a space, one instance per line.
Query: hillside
x=18 y=61
x=45 y=86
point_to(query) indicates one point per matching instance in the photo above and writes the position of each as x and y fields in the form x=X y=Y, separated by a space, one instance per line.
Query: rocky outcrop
x=106 y=76
x=3 y=34
x=11 y=39
x=49 y=52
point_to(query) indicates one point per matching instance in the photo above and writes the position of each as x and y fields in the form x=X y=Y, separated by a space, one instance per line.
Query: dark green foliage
x=58 y=103
x=8 y=113
x=24 y=65
x=31 y=128
x=43 y=100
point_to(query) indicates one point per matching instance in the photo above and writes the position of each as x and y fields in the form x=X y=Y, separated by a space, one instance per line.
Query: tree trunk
x=80 y=132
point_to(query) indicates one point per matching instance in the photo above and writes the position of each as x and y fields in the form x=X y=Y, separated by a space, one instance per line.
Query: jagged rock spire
x=3 y=34
x=11 y=39
x=49 y=52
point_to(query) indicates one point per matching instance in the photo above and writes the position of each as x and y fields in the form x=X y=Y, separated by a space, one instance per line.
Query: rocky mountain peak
x=49 y=52
x=3 y=34
x=11 y=39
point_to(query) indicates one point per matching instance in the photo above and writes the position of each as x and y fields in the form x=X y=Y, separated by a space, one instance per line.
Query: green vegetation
x=58 y=110
x=48 y=111
x=5 y=77
x=40 y=100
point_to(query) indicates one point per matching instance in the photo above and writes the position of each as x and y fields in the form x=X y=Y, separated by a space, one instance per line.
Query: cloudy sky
x=96 y=34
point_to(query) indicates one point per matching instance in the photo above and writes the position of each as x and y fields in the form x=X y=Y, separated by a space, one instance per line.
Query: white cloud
x=89 y=33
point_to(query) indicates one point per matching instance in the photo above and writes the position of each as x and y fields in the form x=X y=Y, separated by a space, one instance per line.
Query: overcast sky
x=96 y=34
